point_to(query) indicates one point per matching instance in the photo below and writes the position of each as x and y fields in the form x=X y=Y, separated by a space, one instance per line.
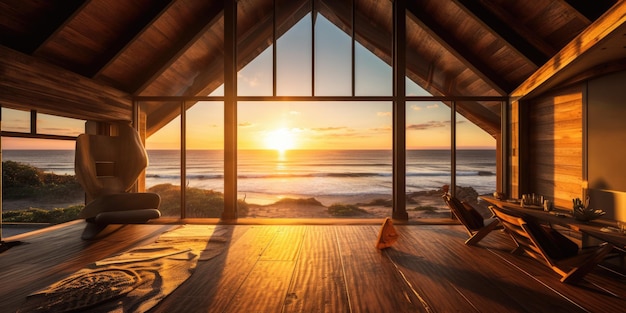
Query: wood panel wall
x=29 y=83
x=513 y=188
x=554 y=160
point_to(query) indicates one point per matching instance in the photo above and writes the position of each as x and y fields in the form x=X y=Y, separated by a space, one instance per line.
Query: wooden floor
x=327 y=268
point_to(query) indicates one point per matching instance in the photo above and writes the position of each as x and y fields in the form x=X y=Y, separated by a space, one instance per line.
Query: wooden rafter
x=502 y=31
x=529 y=35
x=589 y=11
x=58 y=19
x=457 y=49
x=181 y=47
x=584 y=43
x=106 y=60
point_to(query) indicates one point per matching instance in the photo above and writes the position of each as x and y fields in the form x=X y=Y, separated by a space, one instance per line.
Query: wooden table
x=563 y=217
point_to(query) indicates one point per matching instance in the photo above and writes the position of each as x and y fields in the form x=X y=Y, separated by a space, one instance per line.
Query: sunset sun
x=279 y=139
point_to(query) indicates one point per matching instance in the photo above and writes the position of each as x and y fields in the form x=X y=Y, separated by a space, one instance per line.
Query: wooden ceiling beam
x=529 y=35
x=183 y=43
x=457 y=49
x=128 y=38
x=502 y=30
x=61 y=13
x=29 y=83
x=587 y=41
x=589 y=10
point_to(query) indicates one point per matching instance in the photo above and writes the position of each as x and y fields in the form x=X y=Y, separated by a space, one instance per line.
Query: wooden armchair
x=549 y=246
x=477 y=227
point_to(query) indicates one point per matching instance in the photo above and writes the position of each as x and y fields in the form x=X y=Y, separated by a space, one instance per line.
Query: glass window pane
x=293 y=55
x=333 y=59
x=373 y=77
x=255 y=79
x=373 y=48
x=163 y=146
x=38 y=182
x=205 y=160
x=428 y=158
x=15 y=120
x=475 y=158
x=254 y=49
x=316 y=154
x=56 y=125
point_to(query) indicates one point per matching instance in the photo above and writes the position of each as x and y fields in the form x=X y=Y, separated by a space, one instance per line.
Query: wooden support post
x=230 y=110
x=399 y=111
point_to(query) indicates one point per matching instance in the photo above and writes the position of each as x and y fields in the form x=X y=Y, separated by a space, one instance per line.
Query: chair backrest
x=109 y=164
x=466 y=214
x=539 y=241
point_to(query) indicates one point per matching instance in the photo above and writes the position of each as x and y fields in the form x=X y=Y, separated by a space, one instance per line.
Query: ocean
x=299 y=173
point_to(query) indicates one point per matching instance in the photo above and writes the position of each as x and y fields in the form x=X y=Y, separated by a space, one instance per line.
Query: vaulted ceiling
x=175 y=47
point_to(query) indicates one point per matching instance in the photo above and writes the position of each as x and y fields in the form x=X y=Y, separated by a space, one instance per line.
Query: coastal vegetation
x=33 y=215
x=200 y=203
x=21 y=181
x=343 y=210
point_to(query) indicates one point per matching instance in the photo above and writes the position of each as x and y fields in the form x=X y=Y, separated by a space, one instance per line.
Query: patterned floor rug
x=134 y=281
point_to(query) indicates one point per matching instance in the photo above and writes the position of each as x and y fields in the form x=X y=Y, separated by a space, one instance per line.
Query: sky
x=294 y=125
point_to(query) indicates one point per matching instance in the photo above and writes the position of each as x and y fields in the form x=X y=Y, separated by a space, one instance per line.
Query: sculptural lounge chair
x=477 y=227
x=107 y=167
x=549 y=246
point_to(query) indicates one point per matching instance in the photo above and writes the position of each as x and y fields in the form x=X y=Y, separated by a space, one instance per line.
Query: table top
x=602 y=229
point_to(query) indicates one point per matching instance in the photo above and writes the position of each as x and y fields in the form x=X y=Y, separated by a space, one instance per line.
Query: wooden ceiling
x=88 y=59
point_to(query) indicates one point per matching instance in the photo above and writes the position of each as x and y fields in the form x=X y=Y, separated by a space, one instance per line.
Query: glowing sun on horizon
x=280 y=140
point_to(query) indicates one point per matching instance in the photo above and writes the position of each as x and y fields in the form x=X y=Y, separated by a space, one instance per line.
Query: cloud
x=428 y=125
x=294 y=113
x=327 y=129
x=434 y=106
x=383 y=113
x=381 y=129
x=415 y=107
x=245 y=124
x=251 y=81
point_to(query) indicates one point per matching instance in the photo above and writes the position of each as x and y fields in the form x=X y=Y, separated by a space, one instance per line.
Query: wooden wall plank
x=29 y=83
x=555 y=142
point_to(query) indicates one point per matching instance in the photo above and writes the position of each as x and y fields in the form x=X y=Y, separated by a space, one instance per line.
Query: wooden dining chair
x=547 y=245
x=476 y=226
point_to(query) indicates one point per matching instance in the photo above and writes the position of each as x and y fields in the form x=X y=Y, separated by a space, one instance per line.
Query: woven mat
x=134 y=281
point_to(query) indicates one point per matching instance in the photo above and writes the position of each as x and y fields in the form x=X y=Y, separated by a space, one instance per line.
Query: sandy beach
x=420 y=205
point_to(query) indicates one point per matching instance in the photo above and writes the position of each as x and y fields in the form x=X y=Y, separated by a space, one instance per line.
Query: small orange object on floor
x=387 y=235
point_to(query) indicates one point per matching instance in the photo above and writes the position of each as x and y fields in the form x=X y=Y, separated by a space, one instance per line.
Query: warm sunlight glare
x=279 y=139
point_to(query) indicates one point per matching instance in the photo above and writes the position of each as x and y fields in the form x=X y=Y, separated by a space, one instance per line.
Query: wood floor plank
x=264 y=289
x=373 y=284
x=445 y=267
x=325 y=268
x=286 y=243
x=215 y=282
x=609 y=295
x=318 y=283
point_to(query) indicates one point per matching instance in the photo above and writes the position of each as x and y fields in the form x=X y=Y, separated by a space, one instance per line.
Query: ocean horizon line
x=274 y=150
